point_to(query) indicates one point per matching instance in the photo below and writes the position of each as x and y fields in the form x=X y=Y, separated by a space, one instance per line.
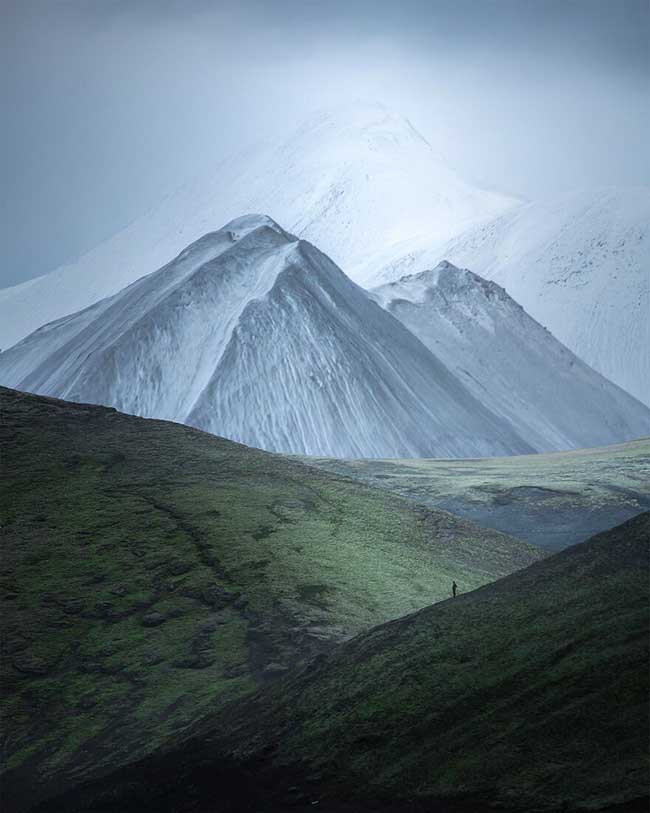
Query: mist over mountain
x=321 y=509
x=351 y=180
x=364 y=186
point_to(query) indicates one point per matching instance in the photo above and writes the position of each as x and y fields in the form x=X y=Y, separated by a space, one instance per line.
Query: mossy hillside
x=552 y=500
x=530 y=693
x=151 y=572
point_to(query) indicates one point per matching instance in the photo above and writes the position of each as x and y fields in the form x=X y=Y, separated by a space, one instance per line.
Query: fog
x=108 y=105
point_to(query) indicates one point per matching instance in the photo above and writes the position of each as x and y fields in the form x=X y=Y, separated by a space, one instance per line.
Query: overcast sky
x=109 y=104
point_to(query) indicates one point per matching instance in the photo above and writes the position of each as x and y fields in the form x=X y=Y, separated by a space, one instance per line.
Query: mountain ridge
x=580 y=265
x=268 y=343
x=512 y=363
x=321 y=181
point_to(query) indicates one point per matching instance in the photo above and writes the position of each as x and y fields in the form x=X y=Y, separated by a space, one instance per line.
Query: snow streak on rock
x=255 y=335
x=511 y=363
x=580 y=266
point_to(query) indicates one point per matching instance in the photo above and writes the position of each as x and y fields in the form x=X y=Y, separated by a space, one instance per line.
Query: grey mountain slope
x=511 y=363
x=257 y=336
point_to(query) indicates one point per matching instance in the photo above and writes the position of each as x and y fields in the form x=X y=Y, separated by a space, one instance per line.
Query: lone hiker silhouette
x=454 y=588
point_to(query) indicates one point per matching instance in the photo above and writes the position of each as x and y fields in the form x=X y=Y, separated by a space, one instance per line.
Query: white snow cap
x=255 y=335
x=364 y=186
x=354 y=180
x=241 y=226
x=510 y=362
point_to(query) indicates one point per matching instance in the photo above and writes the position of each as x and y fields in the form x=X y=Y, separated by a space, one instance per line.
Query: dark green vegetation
x=151 y=572
x=551 y=500
x=530 y=693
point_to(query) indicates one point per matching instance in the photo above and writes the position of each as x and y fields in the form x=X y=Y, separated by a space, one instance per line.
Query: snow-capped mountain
x=510 y=362
x=580 y=266
x=356 y=181
x=365 y=187
x=255 y=335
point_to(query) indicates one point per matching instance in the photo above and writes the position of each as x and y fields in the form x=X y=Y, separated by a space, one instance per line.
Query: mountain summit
x=360 y=182
x=510 y=362
x=579 y=264
x=355 y=180
x=255 y=335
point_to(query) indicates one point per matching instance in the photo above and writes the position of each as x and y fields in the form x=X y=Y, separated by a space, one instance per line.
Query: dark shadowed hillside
x=151 y=572
x=530 y=693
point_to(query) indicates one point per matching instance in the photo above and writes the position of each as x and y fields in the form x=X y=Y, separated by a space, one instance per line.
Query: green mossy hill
x=151 y=572
x=552 y=500
x=530 y=693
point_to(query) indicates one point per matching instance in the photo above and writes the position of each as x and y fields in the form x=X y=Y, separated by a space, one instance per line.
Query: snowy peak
x=375 y=183
x=242 y=226
x=358 y=181
x=443 y=284
x=510 y=362
x=364 y=124
x=255 y=335
x=161 y=326
x=579 y=264
x=255 y=229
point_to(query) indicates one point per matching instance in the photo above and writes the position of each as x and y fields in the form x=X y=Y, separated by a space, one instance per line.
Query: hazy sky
x=110 y=104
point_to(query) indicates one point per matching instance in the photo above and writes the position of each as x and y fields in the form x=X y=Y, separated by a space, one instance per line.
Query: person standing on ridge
x=454 y=588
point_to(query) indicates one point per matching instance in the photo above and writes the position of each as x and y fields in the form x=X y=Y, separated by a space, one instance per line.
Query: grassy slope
x=551 y=500
x=531 y=693
x=151 y=572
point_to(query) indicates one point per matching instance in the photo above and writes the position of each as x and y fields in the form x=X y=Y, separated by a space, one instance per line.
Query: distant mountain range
x=255 y=335
x=365 y=187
